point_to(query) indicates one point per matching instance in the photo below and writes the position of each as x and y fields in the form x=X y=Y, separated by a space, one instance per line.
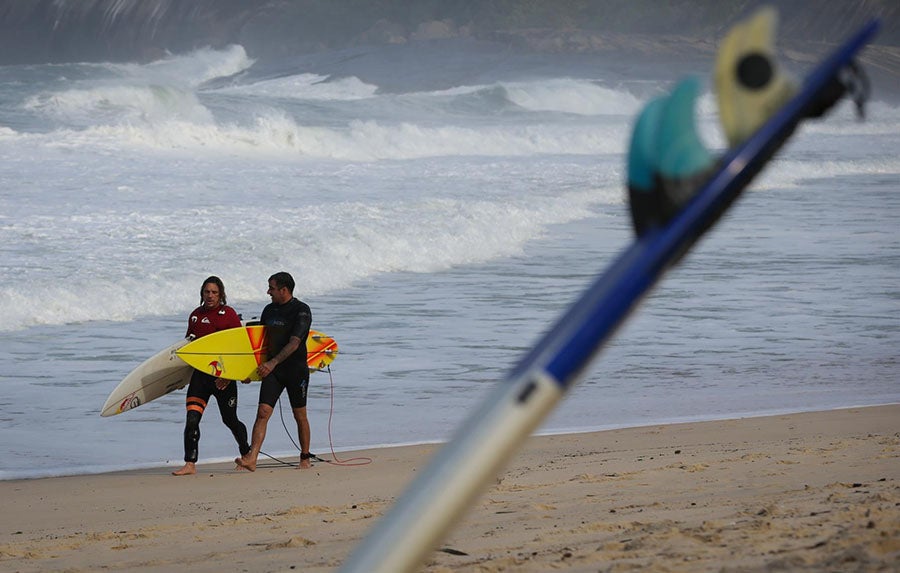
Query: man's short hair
x=283 y=279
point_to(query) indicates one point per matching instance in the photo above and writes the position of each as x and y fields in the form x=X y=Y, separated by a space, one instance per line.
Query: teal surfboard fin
x=642 y=150
x=680 y=152
x=643 y=178
x=684 y=162
x=667 y=161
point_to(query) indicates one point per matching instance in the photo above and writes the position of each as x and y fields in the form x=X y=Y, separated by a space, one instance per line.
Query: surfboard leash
x=357 y=461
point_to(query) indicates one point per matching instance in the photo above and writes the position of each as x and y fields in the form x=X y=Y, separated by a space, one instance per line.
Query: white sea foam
x=192 y=69
x=148 y=94
x=279 y=134
x=122 y=105
x=580 y=97
x=792 y=173
x=306 y=87
x=106 y=255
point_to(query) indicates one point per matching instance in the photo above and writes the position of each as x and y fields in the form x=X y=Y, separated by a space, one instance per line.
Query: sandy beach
x=813 y=491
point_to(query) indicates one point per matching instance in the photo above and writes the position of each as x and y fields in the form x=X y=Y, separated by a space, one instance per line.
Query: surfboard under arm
x=438 y=497
x=236 y=353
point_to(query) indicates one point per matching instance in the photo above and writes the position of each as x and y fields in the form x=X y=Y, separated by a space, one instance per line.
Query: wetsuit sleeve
x=302 y=323
x=190 y=326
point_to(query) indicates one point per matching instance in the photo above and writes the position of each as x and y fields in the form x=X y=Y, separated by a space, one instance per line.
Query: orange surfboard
x=234 y=354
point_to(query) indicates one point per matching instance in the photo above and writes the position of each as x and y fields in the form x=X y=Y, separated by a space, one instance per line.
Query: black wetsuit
x=282 y=321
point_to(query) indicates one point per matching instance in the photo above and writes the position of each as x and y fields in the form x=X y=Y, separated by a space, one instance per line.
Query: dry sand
x=815 y=491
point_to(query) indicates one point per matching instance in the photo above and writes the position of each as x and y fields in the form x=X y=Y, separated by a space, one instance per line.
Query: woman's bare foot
x=189 y=469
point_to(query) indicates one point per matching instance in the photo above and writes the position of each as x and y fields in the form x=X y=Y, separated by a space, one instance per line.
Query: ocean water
x=438 y=220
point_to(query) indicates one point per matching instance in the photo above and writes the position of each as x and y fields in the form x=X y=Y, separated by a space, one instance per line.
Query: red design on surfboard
x=258 y=343
x=216 y=368
x=318 y=351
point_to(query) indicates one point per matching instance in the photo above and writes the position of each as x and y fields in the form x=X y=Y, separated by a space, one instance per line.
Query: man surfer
x=287 y=321
x=211 y=316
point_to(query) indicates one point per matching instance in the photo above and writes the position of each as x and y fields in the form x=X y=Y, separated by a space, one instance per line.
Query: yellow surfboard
x=750 y=83
x=235 y=353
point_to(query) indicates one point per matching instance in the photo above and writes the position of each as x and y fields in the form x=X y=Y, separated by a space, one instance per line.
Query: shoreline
x=813 y=490
x=277 y=459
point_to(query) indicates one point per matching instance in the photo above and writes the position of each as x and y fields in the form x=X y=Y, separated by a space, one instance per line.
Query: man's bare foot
x=304 y=465
x=245 y=464
x=189 y=469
